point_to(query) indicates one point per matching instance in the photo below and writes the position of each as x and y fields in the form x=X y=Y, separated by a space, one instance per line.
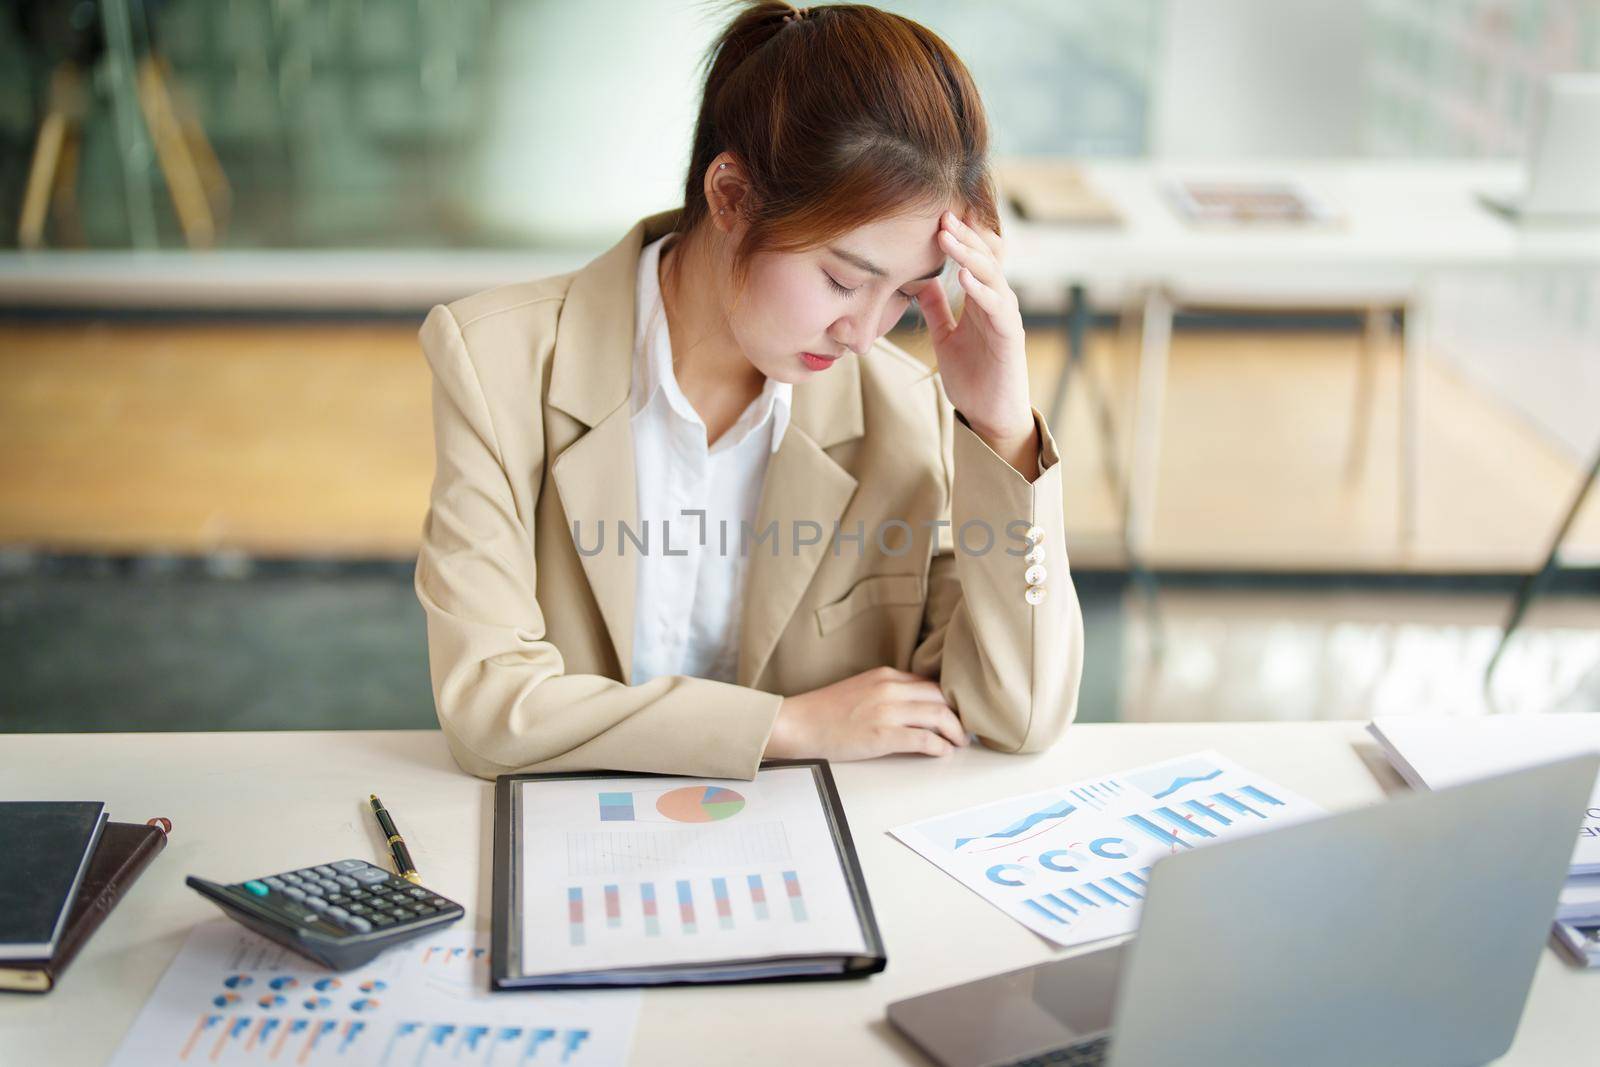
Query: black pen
x=397 y=845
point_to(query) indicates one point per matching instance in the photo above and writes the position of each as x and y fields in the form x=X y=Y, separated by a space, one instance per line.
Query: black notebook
x=613 y=879
x=47 y=846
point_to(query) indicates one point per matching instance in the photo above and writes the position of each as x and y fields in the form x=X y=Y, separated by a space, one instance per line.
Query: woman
x=691 y=509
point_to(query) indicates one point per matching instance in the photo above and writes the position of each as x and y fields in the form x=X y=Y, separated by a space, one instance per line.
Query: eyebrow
x=872 y=268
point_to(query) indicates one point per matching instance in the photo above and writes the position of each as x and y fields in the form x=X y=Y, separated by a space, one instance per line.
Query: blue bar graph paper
x=1116 y=891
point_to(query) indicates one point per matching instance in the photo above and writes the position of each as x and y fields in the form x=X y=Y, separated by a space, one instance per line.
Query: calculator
x=340 y=914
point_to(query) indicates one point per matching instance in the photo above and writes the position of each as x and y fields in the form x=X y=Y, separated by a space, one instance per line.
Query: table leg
x=1535 y=581
x=1372 y=342
x=1077 y=328
x=1413 y=350
x=1153 y=349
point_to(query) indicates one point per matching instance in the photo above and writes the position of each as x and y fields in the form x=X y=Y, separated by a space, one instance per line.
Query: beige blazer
x=530 y=640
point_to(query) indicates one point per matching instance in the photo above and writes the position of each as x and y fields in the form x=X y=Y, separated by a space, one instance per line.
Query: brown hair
x=840 y=116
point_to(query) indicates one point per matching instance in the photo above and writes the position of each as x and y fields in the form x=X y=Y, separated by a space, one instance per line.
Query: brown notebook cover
x=124 y=851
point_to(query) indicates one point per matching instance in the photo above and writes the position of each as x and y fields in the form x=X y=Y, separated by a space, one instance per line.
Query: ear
x=727 y=190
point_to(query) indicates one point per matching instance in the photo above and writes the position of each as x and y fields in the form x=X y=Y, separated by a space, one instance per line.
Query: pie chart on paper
x=698 y=803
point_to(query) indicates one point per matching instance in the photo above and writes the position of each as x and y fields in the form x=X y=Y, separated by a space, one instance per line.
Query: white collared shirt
x=687 y=606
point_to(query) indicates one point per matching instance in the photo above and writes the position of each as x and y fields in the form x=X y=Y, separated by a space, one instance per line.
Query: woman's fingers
x=914 y=689
x=935 y=718
x=991 y=240
x=985 y=297
x=972 y=254
x=918 y=740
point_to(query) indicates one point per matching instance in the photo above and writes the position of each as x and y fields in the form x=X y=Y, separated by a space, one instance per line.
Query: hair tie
x=797 y=15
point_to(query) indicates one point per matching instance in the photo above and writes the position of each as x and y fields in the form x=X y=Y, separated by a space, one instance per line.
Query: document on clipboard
x=612 y=879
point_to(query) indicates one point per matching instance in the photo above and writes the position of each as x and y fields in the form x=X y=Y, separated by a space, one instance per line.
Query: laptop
x=1402 y=933
x=1564 y=160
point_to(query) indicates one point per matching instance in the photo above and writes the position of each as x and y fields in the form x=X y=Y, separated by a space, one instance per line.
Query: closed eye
x=847 y=293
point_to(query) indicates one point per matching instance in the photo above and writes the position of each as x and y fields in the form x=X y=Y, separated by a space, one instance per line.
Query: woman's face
x=802 y=310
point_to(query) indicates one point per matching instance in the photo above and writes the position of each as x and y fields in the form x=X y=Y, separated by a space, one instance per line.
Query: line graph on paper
x=1072 y=862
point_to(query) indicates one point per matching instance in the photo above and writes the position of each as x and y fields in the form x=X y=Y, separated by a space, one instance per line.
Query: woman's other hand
x=874 y=713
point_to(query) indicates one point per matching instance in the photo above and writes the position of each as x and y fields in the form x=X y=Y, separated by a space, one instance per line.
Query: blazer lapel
x=590 y=377
x=594 y=478
x=803 y=484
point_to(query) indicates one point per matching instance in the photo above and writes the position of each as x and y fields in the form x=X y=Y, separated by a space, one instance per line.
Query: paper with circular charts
x=651 y=871
x=1072 y=863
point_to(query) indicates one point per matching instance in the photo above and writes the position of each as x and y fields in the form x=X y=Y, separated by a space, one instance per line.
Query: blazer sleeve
x=1010 y=669
x=504 y=699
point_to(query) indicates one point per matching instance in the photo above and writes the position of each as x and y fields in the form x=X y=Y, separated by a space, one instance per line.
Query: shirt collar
x=652 y=365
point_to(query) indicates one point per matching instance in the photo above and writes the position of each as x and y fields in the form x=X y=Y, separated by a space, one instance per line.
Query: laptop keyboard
x=1084 y=1054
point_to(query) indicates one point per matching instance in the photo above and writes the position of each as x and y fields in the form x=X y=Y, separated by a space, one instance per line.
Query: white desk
x=246 y=803
x=1404 y=224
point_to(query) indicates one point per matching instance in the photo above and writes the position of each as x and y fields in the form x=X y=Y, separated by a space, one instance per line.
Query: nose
x=857 y=332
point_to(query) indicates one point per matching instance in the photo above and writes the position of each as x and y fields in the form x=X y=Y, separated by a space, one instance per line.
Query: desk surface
x=245 y=803
x=1401 y=220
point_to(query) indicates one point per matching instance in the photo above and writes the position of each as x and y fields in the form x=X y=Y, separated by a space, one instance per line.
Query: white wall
x=1258 y=78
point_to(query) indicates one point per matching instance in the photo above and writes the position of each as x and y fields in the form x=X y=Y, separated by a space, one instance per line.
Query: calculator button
x=324 y=870
x=294 y=892
x=337 y=898
x=356 y=909
x=346 y=881
x=380 y=921
x=337 y=913
x=424 y=909
x=416 y=891
x=274 y=881
x=257 y=889
x=358 y=924
x=372 y=876
x=349 y=865
x=357 y=894
x=318 y=903
x=439 y=902
x=311 y=889
x=401 y=913
x=292 y=878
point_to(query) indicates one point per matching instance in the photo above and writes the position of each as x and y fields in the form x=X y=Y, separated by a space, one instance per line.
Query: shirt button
x=1034 y=535
x=1034 y=575
x=1034 y=555
x=1034 y=594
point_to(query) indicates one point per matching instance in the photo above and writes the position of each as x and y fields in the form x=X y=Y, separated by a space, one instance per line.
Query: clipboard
x=691 y=817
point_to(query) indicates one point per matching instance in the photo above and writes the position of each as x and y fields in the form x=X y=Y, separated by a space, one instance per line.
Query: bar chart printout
x=418 y=1004
x=1074 y=863
x=650 y=872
